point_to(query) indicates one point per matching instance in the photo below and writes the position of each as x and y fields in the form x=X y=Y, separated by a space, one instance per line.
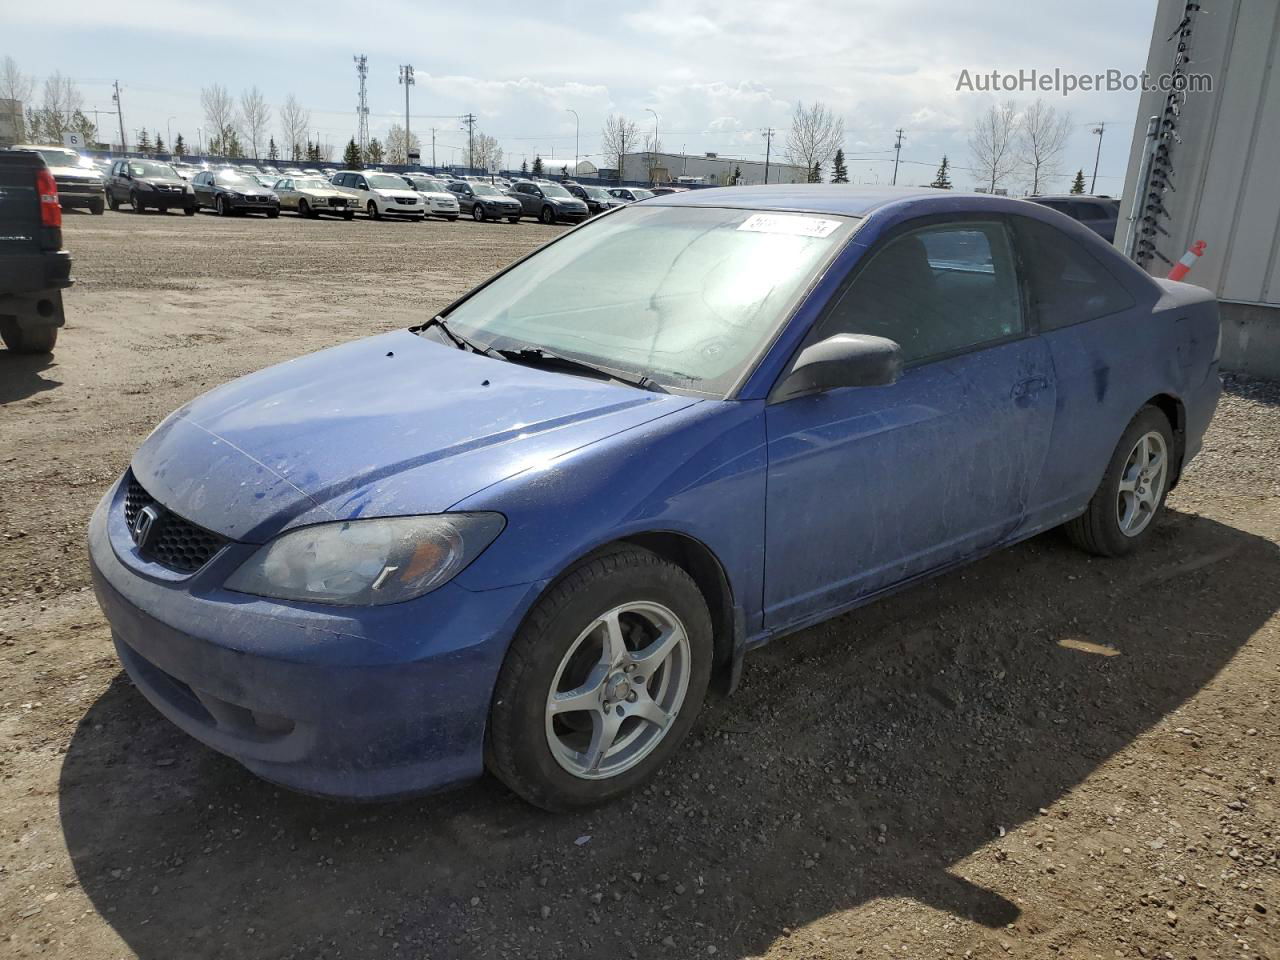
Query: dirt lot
x=1043 y=755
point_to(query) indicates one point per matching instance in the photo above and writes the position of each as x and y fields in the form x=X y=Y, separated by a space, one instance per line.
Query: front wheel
x=304 y=208
x=602 y=682
x=21 y=339
x=513 y=219
x=452 y=218
x=1122 y=513
x=138 y=205
x=372 y=210
x=273 y=214
x=477 y=213
x=112 y=202
x=96 y=207
x=547 y=216
x=348 y=216
x=189 y=211
x=221 y=206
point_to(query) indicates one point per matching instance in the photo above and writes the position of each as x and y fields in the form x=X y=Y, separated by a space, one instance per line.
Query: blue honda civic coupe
x=531 y=533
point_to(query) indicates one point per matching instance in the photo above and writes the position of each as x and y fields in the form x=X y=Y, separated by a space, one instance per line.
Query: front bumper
x=356 y=703
x=80 y=194
x=254 y=206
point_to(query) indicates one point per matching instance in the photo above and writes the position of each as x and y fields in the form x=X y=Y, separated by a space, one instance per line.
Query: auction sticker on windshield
x=786 y=223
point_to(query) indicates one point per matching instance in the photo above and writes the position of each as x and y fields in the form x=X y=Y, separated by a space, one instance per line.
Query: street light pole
x=169 y=130
x=576 y=126
x=406 y=77
x=653 y=154
x=1099 y=130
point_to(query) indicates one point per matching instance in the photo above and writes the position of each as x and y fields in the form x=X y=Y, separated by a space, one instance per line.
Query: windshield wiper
x=459 y=341
x=540 y=357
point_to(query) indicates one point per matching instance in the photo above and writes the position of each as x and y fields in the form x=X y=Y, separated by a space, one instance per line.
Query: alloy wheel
x=1142 y=483
x=618 y=690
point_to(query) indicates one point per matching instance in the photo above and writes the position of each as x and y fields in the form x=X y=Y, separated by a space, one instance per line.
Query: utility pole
x=897 y=152
x=470 y=121
x=124 y=144
x=1099 y=129
x=653 y=154
x=575 y=138
x=406 y=77
x=433 y=148
x=768 y=146
x=362 y=107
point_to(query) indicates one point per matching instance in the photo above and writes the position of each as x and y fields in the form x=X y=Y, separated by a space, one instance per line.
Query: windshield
x=149 y=168
x=484 y=190
x=642 y=194
x=686 y=296
x=554 y=190
x=55 y=157
x=312 y=183
x=232 y=177
x=428 y=186
x=597 y=193
x=384 y=181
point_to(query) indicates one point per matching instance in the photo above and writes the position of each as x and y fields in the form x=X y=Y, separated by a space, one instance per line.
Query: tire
x=304 y=208
x=477 y=213
x=513 y=219
x=1119 y=521
x=547 y=216
x=371 y=209
x=273 y=214
x=221 y=207
x=348 y=216
x=560 y=642
x=189 y=211
x=112 y=202
x=138 y=205
x=453 y=218
x=96 y=207
x=27 y=339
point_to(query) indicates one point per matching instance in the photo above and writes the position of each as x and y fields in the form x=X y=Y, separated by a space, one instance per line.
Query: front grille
x=174 y=542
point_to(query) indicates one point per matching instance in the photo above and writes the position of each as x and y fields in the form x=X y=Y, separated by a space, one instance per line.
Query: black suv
x=597 y=199
x=149 y=183
x=34 y=269
x=1099 y=214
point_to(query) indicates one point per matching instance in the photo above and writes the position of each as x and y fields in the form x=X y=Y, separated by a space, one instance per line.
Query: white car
x=380 y=194
x=435 y=195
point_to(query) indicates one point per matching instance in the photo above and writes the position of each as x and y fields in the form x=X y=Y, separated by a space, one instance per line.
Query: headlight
x=367 y=562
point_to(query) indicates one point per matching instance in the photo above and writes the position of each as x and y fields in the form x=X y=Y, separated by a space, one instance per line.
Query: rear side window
x=935 y=291
x=1068 y=284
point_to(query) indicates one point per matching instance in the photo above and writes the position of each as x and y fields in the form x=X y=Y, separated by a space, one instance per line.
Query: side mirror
x=845 y=360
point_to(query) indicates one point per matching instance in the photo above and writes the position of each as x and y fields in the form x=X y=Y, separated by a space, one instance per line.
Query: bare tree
x=219 y=117
x=16 y=87
x=991 y=143
x=652 y=147
x=617 y=139
x=395 y=146
x=295 y=121
x=1041 y=139
x=815 y=135
x=255 y=115
x=486 y=154
x=60 y=102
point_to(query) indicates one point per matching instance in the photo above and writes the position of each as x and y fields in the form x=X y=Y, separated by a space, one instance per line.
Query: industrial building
x=713 y=168
x=1203 y=168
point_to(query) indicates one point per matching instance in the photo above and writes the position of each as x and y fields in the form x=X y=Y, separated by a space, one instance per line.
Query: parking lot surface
x=1040 y=755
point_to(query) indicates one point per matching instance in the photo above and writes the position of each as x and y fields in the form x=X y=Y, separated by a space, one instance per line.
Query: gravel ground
x=1041 y=755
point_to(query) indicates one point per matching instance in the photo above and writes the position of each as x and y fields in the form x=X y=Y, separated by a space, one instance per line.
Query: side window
x=1088 y=211
x=1068 y=283
x=935 y=291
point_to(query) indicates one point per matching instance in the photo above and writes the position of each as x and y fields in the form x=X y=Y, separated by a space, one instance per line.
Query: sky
x=717 y=74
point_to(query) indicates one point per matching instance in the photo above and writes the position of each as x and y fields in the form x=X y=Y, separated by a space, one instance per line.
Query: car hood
x=391 y=425
x=325 y=192
x=172 y=181
x=395 y=194
x=435 y=195
x=84 y=172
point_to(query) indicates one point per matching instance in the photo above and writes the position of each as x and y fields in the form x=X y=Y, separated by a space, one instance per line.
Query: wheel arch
x=1176 y=413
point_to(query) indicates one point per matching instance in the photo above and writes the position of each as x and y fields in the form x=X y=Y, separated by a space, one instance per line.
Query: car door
x=870 y=486
x=288 y=197
x=201 y=184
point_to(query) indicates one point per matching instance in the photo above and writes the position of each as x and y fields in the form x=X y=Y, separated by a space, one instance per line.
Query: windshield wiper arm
x=461 y=342
x=538 y=356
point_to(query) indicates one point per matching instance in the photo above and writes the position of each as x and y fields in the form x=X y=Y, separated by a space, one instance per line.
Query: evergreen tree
x=273 y=153
x=350 y=156
x=85 y=127
x=179 y=146
x=231 y=146
x=524 y=167
x=314 y=152
x=537 y=166
x=839 y=173
x=737 y=175
x=144 y=142
x=373 y=152
x=943 y=178
x=159 y=144
x=1077 y=185
x=815 y=175
x=564 y=171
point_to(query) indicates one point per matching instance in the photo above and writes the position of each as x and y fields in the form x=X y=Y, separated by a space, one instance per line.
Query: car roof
x=851 y=200
x=1099 y=198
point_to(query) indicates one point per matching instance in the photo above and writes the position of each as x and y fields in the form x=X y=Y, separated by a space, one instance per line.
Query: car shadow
x=864 y=758
x=20 y=375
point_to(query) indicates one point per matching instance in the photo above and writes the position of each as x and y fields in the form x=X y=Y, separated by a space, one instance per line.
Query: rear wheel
x=602 y=682
x=1122 y=513
x=27 y=339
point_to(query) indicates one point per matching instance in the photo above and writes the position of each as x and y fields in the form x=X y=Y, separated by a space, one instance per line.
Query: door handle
x=1030 y=386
